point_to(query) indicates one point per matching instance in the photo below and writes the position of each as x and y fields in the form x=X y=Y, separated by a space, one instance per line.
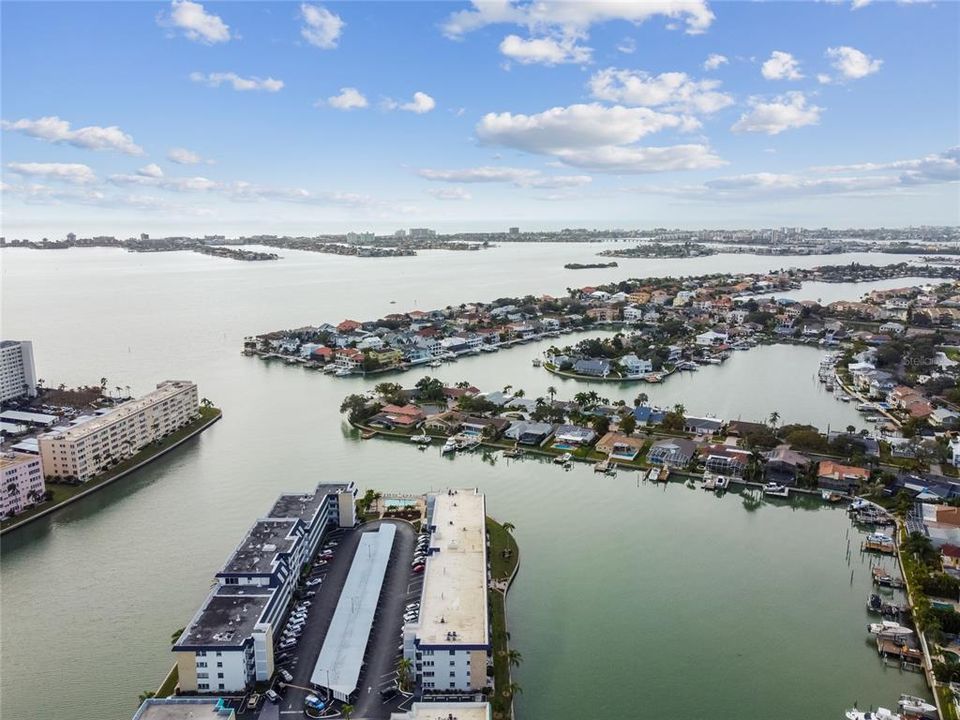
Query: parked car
x=286 y=676
x=253 y=701
x=418 y=568
x=312 y=701
x=388 y=693
x=313 y=583
x=310 y=593
x=272 y=696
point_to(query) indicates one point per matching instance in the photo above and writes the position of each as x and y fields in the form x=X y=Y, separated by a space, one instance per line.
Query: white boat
x=421 y=439
x=449 y=446
x=721 y=483
x=913 y=705
x=860 y=504
x=536 y=362
x=878 y=714
x=881 y=538
x=563 y=459
x=845 y=398
x=342 y=372
x=435 y=364
x=888 y=628
x=776 y=489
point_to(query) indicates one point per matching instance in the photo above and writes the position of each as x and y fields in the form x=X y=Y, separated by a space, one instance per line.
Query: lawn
x=63 y=493
x=500 y=540
x=501 y=568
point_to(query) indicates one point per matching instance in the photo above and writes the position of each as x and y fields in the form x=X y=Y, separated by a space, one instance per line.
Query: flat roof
x=12 y=459
x=182 y=709
x=28 y=417
x=340 y=659
x=30 y=445
x=303 y=505
x=228 y=616
x=453 y=608
x=445 y=711
x=12 y=428
x=258 y=550
x=165 y=390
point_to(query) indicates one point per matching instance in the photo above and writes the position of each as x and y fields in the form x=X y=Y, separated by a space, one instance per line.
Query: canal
x=652 y=601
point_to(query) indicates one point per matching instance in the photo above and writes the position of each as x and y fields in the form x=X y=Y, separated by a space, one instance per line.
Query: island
x=589 y=266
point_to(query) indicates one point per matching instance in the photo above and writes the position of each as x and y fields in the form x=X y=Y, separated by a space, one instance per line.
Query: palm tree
x=509 y=526
x=146 y=695
x=205 y=402
x=513 y=689
x=514 y=657
x=552 y=392
x=103 y=383
x=774 y=418
x=346 y=711
x=679 y=409
x=507 y=389
x=404 y=666
x=520 y=393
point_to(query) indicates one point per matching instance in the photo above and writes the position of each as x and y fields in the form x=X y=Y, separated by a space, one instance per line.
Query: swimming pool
x=564 y=446
x=399 y=502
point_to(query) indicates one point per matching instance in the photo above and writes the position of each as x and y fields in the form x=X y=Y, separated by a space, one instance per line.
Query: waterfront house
x=322 y=354
x=348 y=326
x=943 y=418
x=398 y=416
x=594 y=367
x=941 y=524
x=950 y=559
x=604 y=314
x=844 y=478
x=446 y=422
x=674 y=353
x=648 y=415
x=634 y=366
x=785 y=466
x=349 y=359
x=488 y=427
x=711 y=339
x=529 y=433
x=725 y=459
x=574 y=435
x=702 y=425
x=672 y=452
x=632 y=313
x=619 y=446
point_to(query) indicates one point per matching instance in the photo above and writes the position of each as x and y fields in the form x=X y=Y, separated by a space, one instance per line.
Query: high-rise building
x=87 y=448
x=514 y=231
x=71 y=237
x=18 y=375
x=422 y=233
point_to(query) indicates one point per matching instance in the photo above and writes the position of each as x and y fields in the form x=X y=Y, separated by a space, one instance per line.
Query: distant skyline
x=187 y=118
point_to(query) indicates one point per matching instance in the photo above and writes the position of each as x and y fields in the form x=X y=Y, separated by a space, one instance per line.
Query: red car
x=418 y=568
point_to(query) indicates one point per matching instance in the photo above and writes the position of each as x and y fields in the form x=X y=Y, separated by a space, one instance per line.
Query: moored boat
x=421 y=439
x=449 y=446
x=563 y=459
x=878 y=714
x=913 y=705
x=776 y=490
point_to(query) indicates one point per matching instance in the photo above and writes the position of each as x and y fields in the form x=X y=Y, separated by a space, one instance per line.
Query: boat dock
x=882 y=577
x=885 y=548
x=907 y=656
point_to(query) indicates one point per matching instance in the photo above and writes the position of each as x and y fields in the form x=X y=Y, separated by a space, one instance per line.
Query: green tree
x=601 y=425
x=552 y=392
x=640 y=399
x=404 y=666
x=514 y=658
x=628 y=424
x=346 y=711
x=774 y=418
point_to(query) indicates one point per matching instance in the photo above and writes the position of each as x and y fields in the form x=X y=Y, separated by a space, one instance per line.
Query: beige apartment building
x=88 y=447
x=22 y=477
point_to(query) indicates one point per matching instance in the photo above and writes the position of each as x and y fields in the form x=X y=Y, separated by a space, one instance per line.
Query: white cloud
x=93 y=137
x=68 y=172
x=455 y=193
x=782 y=113
x=349 y=98
x=521 y=177
x=174 y=184
x=936 y=168
x=674 y=91
x=195 y=22
x=544 y=50
x=152 y=170
x=237 y=82
x=420 y=104
x=321 y=27
x=182 y=156
x=597 y=137
x=781 y=66
x=573 y=18
x=714 y=61
x=824 y=79
x=628 y=46
x=852 y=64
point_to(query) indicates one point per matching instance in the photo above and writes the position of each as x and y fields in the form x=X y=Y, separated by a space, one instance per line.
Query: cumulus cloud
x=573 y=18
x=420 y=104
x=627 y=46
x=237 y=82
x=321 y=28
x=93 y=137
x=174 y=184
x=544 y=50
x=455 y=193
x=782 y=113
x=597 y=137
x=195 y=22
x=852 y=64
x=67 y=172
x=521 y=177
x=781 y=66
x=935 y=168
x=714 y=61
x=674 y=91
x=152 y=170
x=349 y=98
x=182 y=156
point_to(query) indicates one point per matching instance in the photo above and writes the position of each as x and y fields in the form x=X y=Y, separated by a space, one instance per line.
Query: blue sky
x=303 y=118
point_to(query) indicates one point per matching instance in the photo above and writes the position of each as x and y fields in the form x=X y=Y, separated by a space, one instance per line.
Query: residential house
x=349 y=359
x=844 y=478
x=489 y=427
x=702 y=425
x=595 y=367
x=398 y=416
x=348 y=326
x=649 y=415
x=711 y=338
x=529 y=433
x=634 y=366
x=619 y=446
x=672 y=452
x=785 y=466
x=574 y=435
x=725 y=459
x=604 y=314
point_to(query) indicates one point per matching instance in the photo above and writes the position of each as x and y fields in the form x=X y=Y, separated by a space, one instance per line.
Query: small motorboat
x=513 y=453
x=875 y=604
x=880 y=538
x=721 y=483
x=450 y=445
x=878 y=714
x=563 y=459
x=536 y=362
x=422 y=439
x=830 y=496
x=435 y=364
x=342 y=372
x=913 y=705
x=776 y=490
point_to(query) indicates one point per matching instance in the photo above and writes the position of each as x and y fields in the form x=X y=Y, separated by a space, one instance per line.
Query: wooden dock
x=883 y=577
x=887 y=648
x=880 y=547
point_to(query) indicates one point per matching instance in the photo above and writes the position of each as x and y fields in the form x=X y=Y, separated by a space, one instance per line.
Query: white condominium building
x=86 y=449
x=22 y=477
x=450 y=642
x=444 y=711
x=18 y=376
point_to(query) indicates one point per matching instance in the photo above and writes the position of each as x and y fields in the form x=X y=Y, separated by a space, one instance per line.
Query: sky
x=242 y=118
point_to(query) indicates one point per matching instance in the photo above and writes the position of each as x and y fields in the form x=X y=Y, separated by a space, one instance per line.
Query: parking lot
x=400 y=586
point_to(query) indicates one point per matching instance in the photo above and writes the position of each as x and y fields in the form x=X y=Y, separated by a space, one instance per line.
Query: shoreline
x=95 y=484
